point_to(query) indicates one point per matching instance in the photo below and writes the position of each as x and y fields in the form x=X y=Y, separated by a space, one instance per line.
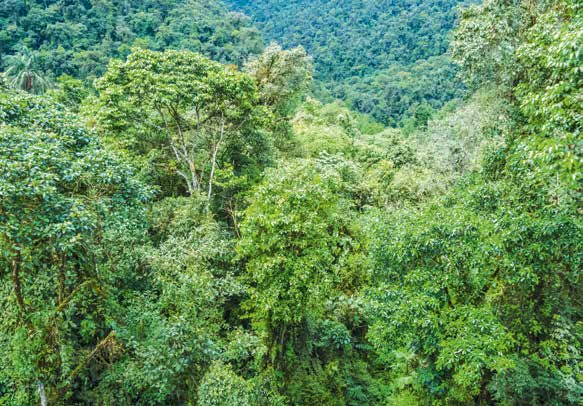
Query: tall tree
x=299 y=247
x=194 y=104
x=283 y=78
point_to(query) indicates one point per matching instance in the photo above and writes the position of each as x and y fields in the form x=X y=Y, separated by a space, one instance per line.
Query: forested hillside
x=183 y=221
x=385 y=58
x=79 y=37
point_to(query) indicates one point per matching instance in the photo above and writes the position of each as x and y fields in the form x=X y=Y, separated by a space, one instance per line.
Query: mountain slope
x=78 y=38
x=354 y=42
x=356 y=37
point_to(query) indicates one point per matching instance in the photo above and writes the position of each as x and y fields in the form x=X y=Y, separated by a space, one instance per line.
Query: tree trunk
x=214 y=161
x=42 y=394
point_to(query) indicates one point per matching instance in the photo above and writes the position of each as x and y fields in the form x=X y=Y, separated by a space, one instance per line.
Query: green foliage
x=282 y=78
x=79 y=38
x=173 y=327
x=222 y=387
x=550 y=96
x=23 y=72
x=395 y=31
x=331 y=128
x=61 y=195
x=453 y=142
x=446 y=273
x=182 y=103
x=69 y=91
x=482 y=286
x=383 y=57
x=485 y=43
x=297 y=252
x=397 y=92
x=305 y=258
x=297 y=238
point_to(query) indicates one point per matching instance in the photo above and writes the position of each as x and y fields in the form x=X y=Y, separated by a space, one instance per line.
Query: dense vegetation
x=78 y=38
x=193 y=228
x=357 y=37
x=385 y=58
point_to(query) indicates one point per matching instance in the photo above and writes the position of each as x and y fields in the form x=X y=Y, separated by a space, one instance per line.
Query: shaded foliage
x=78 y=38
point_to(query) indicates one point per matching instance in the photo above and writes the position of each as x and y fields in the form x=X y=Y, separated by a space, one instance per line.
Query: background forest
x=384 y=209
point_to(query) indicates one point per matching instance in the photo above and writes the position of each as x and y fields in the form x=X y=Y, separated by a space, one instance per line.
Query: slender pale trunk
x=214 y=160
x=42 y=394
x=179 y=148
x=191 y=179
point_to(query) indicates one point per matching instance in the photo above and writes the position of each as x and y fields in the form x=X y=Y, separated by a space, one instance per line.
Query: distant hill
x=355 y=42
x=385 y=58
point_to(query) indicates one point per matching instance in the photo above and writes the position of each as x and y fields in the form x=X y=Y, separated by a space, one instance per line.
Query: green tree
x=62 y=196
x=69 y=91
x=221 y=387
x=300 y=249
x=283 y=78
x=193 y=105
x=23 y=72
x=172 y=326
